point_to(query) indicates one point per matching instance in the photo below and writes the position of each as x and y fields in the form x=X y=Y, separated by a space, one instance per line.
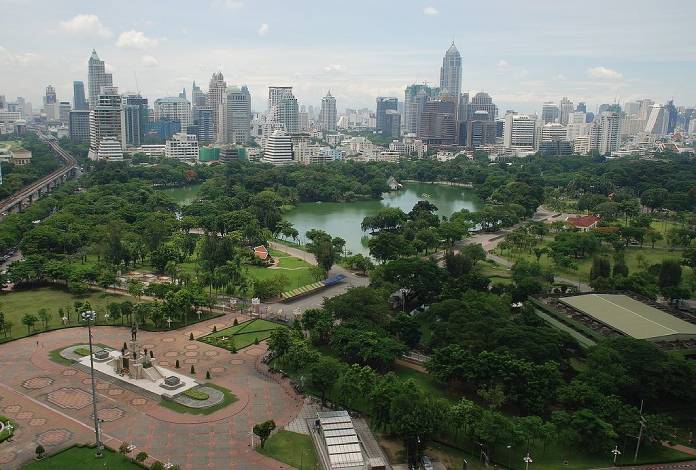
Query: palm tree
x=28 y=319
x=45 y=317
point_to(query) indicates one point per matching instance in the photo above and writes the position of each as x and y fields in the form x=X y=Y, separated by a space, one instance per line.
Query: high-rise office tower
x=658 y=120
x=438 y=123
x=174 y=108
x=107 y=126
x=79 y=100
x=672 y=115
x=480 y=130
x=566 y=107
x=198 y=97
x=50 y=102
x=632 y=108
x=96 y=78
x=520 y=132
x=283 y=110
x=549 y=112
x=136 y=115
x=384 y=104
x=608 y=129
x=451 y=75
x=204 y=123
x=216 y=94
x=483 y=102
x=64 y=112
x=415 y=97
x=3 y=102
x=79 y=125
x=581 y=107
x=327 y=115
x=235 y=116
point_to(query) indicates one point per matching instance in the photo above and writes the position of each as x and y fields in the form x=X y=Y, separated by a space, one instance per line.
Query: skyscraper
x=107 y=126
x=278 y=149
x=415 y=97
x=520 y=132
x=283 y=110
x=451 y=75
x=216 y=93
x=202 y=117
x=79 y=101
x=79 y=125
x=658 y=120
x=327 y=115
x=483 y=102
x=438 y=123
x=174 y=108
x=198 y=97
x=136 y=117
x=608 y=133
x=235 y=117
x=566 y=107
x=384 y=104
x=96 y=78
x=51 y=103
x=549 y=112
x=64 y=112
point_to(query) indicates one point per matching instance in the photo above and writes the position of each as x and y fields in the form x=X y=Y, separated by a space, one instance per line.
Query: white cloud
x=333 y=67
x=149 y=61
x=8 y=58
x=503 y=64
x=560 y=76
x=136 y=40
x=263 y=29
x=430 y=11
x=233 y=4
x=604 y=72
x=85 y=26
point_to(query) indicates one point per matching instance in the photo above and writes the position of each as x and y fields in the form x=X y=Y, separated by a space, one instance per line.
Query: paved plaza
x=52 y=402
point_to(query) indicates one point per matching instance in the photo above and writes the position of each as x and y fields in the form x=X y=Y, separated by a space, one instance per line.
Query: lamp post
x=89 y=317
x=527 y=460
x=616 y=453
x=509 y=448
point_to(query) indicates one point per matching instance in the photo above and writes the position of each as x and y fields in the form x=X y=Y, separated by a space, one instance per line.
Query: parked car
x=426 y=463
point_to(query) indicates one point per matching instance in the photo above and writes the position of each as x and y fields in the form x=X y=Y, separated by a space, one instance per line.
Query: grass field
x=179 y=408
x=291 y=448
x=83 y=458
x=18 y=303
x=242 y=335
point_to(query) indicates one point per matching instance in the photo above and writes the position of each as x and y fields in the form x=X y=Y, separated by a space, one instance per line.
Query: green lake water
x=183 y=195
x=343 y=219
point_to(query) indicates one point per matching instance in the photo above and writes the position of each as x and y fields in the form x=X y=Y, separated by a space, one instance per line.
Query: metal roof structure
x=342 y=442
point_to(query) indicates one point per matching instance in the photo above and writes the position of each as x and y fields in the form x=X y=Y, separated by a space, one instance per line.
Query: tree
x=601 y=267
x=324 y=248
x=620 y=267
x=136 y=288
x=323 y=376
x=141 y=457
x=45 y=317
x=670 y=274
x=40 y=451
x=264 y=430
x=421 y=279
x=29 y=320
x=654 y=198
x=279 y=341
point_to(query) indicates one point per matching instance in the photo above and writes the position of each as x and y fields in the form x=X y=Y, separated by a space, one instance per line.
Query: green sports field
x=631 y=316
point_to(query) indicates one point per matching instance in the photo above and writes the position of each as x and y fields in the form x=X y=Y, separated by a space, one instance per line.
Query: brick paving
x=51 y=402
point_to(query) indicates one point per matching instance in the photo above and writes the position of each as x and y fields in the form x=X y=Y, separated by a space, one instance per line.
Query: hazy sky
x=522 y=52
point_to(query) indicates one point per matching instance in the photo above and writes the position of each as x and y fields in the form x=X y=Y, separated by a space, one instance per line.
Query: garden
x=241 y=335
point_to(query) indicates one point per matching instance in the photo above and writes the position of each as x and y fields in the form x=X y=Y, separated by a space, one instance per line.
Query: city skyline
x=522 y=60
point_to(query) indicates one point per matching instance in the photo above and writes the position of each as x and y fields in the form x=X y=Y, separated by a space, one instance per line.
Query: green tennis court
x=632 y=317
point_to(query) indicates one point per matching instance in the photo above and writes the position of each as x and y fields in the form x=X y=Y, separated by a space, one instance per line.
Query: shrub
x=177 y=364
x=157 y=465
x=214 y=329
x=193 y=369
x=191 y=336
x=141 y=457
x=40 y=451
x=207 y=375
x=123 y=448
x=256 y=340
x=196 y=394
x=233 y=350
x=235 y=323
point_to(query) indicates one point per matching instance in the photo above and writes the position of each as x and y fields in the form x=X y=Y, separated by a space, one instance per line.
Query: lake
x=343 y=219
x=183 y=195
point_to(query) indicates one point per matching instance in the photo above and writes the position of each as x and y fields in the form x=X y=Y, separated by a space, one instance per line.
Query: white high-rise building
x=106 y=120
x=175 y=108
x=182 y=146
x=631 y=108
x=451 y=74
x=235 y=116
x=216 y=94
x=565 y=107
x=520 y=132
x=645 y=107
x=96 y=78
x=609 y=126
x=327 y=115
x=553 y=132
x=658 y=120
x=577 y=125
x=278 y=149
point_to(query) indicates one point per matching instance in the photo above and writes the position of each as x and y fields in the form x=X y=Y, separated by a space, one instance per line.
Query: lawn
x=179 y=408
x=291 y=448
x=5 y=433
x=84 y=459
x=427 y=383
x=18 y=303
x=243 y=334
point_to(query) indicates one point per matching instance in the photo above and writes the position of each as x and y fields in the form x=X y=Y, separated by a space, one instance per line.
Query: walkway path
x=51 y=402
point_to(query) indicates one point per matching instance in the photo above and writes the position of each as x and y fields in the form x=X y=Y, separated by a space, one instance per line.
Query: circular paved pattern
x=12 y=409
x=7 y=457
x=115 y=391
x=191 y=361
x=217 y=370
x=163 y=363
x=69 y=372
x=191 y=353
x=24 y=415
x=171 y=354
x=211 y=353
x=37 y=383
x=102 y=386
x=70 y=398
x=138 y=401
x=168 y=340
x=37 y=422
x=237 y=362
x=54 y=437
x=110 y=414
x=254 y=351
x=148 y=346
x=192 y=346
